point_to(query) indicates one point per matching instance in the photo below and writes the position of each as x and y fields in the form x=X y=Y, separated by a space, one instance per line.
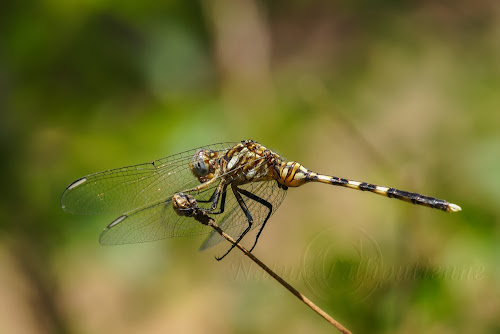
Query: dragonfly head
x=204 y=164
x=293 y=174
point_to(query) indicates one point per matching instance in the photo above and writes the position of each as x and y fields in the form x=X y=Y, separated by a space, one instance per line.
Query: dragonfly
x=237 y=184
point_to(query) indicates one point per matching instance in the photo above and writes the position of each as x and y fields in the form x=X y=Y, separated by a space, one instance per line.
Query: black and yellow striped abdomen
x=293 y=174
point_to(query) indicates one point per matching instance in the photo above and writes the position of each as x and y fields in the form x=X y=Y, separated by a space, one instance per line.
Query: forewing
x=124 y=189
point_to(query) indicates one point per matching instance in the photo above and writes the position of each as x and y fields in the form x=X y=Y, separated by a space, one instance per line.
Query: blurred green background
x=398 y=93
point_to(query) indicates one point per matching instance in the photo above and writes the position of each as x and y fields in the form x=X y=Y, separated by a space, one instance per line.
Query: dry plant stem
x=290 y=288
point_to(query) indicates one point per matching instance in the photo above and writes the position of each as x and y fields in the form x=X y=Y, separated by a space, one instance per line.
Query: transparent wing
x=155 y=222
x=158 y=220
x=234 y=221
x=124 y=189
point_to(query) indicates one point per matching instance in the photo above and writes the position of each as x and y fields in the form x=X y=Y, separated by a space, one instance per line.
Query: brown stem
x=204 y=219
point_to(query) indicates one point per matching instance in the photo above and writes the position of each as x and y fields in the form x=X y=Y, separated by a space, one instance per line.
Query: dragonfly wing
x=123 y=189
x=150 y=223
x=234 y=222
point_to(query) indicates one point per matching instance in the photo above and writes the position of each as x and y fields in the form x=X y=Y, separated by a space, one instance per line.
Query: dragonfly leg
x=210 y=200
x=220 y=188
x=214 y=198
x=263 y=202
x=222 y=202
x=244 y=207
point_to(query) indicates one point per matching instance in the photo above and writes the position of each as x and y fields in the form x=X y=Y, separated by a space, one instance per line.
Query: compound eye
x=203 y=165
x=199 y=167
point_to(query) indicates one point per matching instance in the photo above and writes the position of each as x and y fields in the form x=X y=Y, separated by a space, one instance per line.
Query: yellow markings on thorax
x=247 y=162
x=235 y=158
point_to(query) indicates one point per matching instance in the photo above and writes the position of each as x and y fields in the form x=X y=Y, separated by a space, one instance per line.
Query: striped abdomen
x=293 y=174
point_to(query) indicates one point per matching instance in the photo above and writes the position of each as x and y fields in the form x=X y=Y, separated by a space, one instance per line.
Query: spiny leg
x=222 y=202
x=222 y=185
x=263 y=202
x=244 y=207
x=210 y=200
x=214 y=199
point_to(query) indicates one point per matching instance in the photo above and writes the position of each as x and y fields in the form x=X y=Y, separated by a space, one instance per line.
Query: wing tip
x=77 y=183
x=116 y=221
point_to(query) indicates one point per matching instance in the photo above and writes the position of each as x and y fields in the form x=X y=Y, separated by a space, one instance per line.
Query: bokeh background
x=398 y=93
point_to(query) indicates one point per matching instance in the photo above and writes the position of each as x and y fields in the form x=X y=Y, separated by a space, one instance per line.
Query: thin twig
x=187 y=206
x=204 y=219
